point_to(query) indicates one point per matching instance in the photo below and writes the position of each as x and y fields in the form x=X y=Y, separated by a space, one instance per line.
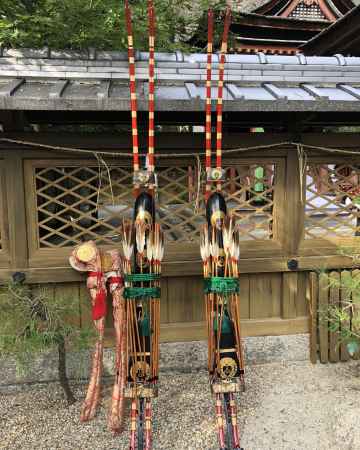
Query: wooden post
x=292 y=215
x=356 y=303
x=14 y=179
x=314 y=293
x=334 y=349
x=323 y=323
x=291 y=221
x=344 y=296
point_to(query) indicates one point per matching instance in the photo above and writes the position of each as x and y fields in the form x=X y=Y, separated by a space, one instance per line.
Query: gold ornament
x=86 y=252
x=217 y=216
x=106 y=262
x=140 y=370
x=216 y=174
x=227 y=368
x=221 y=260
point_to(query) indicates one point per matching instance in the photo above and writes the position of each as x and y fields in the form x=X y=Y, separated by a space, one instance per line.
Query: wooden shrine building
x=342 y=36
x=282 y=26
x=286 y=189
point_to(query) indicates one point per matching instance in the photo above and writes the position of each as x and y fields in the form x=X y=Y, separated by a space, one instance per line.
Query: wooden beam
x=196 y=331
x=13 y=121
x=18 y=244
x=63 y=273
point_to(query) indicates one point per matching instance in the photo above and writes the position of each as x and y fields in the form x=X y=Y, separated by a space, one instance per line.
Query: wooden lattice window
x=77 y=201
x=250 y=197
x=332 y=200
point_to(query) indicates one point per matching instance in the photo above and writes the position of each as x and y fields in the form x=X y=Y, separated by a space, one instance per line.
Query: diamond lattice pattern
x=78 y=203
x=332 y=200
x=304 y=11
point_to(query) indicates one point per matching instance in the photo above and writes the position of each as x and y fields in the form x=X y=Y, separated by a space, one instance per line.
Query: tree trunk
x=64 y=382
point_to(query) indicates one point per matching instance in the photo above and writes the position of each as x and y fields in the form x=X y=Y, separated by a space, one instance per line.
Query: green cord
x=140 y=292
x=221 y=285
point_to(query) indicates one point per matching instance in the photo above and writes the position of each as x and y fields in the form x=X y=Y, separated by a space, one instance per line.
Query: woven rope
x=221 y=285
x=131 y=293
x=135 y=277
x=179 y=155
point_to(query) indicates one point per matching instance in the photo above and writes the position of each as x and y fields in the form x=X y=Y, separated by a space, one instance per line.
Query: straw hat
x=83 y=255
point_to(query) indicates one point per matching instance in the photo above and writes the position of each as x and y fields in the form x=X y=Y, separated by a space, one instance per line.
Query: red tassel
x=99 y=308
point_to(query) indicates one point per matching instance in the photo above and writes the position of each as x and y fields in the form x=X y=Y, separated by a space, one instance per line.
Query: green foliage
x=348 y=311
x=33 y=321
x=80 y=24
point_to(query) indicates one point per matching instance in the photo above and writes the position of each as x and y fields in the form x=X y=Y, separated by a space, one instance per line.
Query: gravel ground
x=286 y=406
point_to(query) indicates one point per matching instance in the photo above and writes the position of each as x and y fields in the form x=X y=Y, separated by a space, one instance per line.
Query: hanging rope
x=180 y=155
x=302 y=158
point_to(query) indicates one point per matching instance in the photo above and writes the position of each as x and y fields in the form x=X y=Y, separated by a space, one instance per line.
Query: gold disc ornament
x=86 y=252
x=140 y=370
x=227 y=368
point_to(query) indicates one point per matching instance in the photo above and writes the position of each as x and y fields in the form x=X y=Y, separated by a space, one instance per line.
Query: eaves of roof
x=43 y=80
x=343 y=35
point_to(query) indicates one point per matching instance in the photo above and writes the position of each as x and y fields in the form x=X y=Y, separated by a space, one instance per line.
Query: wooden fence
x=270 y=304
x=326 y=345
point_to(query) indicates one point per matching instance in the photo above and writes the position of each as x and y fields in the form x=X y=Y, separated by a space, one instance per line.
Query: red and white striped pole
x=148 y=424
x=220 y=421
x=208 y=100
x=151 y=144
x=133 y=99
x=219 y=106
x=233 y=417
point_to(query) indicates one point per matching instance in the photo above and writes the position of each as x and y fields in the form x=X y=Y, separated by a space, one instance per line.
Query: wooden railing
x=327 y=345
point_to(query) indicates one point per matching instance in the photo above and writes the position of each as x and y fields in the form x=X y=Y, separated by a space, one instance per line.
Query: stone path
x=286 y=406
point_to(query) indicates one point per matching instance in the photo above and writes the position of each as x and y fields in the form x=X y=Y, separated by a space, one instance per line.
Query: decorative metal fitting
x=293 y=264
x=216 y=175
x=145 y=178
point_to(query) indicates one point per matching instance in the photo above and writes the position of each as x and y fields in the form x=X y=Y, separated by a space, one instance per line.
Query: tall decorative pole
x=143 y=245
x=219 y=106
x=208 y=101
x=220 y=251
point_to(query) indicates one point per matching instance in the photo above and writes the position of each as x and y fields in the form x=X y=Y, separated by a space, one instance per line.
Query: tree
x=80 y=24
x=33 y=322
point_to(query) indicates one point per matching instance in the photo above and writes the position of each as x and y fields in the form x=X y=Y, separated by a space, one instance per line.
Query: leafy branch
x=34 y=321
x=80 y=24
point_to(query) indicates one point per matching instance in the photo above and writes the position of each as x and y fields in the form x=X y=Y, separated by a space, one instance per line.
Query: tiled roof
x=65 y=80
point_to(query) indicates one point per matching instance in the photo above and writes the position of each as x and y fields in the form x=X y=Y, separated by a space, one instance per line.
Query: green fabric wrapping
x=141 y=292
x=145 y=326
x=226 y=327
x=136 y=277
x=221 y=285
